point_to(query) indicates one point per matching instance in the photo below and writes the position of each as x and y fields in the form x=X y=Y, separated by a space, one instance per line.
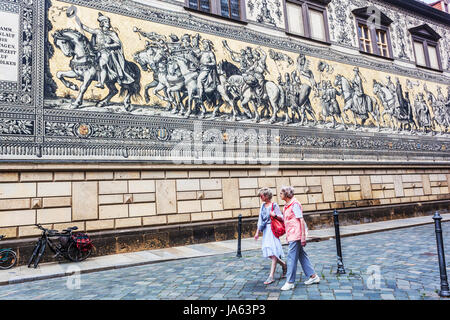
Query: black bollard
x=239 y=255
x=340 y=264
x=444 y=292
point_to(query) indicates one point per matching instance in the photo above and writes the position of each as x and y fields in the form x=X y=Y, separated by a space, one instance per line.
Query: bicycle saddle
x=70 y=229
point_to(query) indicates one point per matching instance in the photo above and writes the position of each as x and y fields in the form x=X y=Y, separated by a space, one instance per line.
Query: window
x=426 y=47
x=364 y=38
x=231 y=9
x=374 y=37
x=307 y=18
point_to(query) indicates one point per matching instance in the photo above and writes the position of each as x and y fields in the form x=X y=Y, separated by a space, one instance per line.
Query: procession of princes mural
x=189 y=80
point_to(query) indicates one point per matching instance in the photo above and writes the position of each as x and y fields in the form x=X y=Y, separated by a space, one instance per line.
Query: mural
x=183 y=74
x=116 y=80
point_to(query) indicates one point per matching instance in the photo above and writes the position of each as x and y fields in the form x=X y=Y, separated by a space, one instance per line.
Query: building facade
x=154 y=123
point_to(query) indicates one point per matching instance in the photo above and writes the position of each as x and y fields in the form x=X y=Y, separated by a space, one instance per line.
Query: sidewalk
x=55 y=269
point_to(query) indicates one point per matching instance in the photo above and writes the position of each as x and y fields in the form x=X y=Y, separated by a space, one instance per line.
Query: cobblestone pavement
x=405 y=259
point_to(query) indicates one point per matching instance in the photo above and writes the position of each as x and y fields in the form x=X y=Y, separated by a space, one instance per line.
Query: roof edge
x=422 y=9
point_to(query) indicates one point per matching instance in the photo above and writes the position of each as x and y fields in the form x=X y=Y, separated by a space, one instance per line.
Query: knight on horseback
x=109 y=50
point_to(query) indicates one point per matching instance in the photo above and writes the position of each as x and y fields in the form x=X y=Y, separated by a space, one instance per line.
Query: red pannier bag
x=277 y=226
x=82 y=241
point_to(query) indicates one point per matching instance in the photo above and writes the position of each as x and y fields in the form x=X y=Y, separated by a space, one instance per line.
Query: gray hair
x=288 y=191
x=266 y=192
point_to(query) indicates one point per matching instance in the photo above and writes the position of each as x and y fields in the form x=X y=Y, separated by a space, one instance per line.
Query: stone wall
x=116 y=199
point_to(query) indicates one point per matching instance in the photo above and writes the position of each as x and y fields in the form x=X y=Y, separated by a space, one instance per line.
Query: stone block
x=247 y=193
x=154 y=220
x=255 y=173
x=248 y=183
x=12 y=204
x=341 y=196
x=144 y=197
x=166 y=196
x=250 y=202
x=353 y=180
x=210 y=184
x=175 y=174
x=302 y=198
x=201 y=216
x=142 y=209
x=323 y=206
x=113 y=211
x=188 y=185
x=189 y=206
x=327 y=189
x=99 y=225
x=187 y=195
x=85 y=200
x=339 y=180
x=62 y=226
x=17 y=190
x=9 y=176
x=212 y=194
x=219 y=173
x=243 y=212
x=315 y=198
x=127 y=175
x=69 y=176
x=313 y=181
x=36 y=203
x=270 y=172
x=309 y=207
x=152 y=175
x=289 y=173
x=141 y=186
x=366 y=187
x=9 y=232
x=36 y=176
x=212 y=205
x=54 y=189
x=389 y=193
x=354 y=195
x=99 y=175
x=54 y=215
x=128 y=222
x=238 y=173
x=387 y=178
x=56 y=202
x=112 y=187
x=418 y=192
x=398 y=186
x=217 y=215
x=110 y=199
x=230 y=191
x=376 y=179
x=199 y=174
x=448 y=182
x=29 y=231
x=178 y=218
x=376 y=194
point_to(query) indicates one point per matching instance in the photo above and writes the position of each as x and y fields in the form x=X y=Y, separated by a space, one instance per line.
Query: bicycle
x=67 y=246
x=8 y=257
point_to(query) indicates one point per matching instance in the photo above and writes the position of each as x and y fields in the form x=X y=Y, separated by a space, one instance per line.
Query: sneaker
x=287 y=286
x=315 y=279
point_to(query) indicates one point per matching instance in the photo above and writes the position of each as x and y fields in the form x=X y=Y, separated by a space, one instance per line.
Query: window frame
x=425 y=44
x=215 y=10
x=361 y=19
x=426 y=41
x=306 y=5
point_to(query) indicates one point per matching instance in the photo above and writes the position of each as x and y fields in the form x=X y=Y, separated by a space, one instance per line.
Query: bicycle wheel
x=8 y=259
x=75 y=254
x=41 y=253
x=35 y=251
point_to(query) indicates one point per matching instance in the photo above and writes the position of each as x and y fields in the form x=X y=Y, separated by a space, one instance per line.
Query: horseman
x=109 y=49
x=257 y=71
x=207 y=76
x=303 y=69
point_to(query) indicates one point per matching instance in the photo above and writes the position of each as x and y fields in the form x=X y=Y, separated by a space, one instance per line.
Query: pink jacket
x=294 y=228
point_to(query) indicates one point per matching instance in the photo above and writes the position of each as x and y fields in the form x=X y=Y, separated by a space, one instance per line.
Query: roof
x=422 y=9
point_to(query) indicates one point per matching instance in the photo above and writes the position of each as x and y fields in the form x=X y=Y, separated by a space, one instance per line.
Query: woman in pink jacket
x=296 y=237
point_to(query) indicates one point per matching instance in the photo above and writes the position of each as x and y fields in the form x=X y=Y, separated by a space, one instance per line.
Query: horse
x=441 y=117
x=272 y=96
x=400 y=111
x=84 y=66
x=362 y=111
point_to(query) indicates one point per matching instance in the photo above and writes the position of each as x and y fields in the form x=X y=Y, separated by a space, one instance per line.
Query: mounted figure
x=441 y=116
x=100 y=59
x=355 y=100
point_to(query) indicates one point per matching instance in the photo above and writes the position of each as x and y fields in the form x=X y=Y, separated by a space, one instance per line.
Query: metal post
x=444 y=292
x=340 y=264
x=239 y=255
